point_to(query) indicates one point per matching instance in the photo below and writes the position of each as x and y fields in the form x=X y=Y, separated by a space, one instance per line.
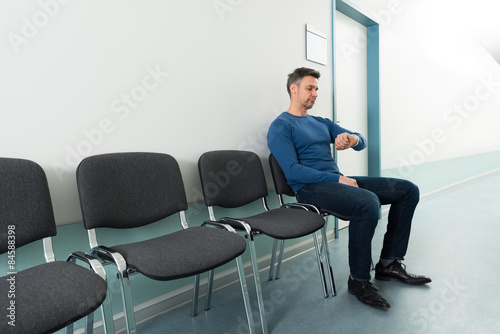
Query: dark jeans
x=362 y=205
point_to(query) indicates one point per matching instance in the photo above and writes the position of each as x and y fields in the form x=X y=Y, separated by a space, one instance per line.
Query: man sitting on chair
x=301 y=145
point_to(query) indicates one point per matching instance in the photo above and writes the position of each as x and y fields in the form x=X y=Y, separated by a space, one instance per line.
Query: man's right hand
x=348 y=181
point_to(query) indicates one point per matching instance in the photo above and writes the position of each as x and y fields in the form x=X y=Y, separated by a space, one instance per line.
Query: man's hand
x=344 y=141
x=348 y=181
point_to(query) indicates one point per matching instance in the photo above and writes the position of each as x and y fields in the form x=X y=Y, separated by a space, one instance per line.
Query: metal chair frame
x=107 y=313
x=109 y=256
x=96 y=266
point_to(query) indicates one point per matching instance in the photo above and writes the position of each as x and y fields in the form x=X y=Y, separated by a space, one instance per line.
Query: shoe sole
x=389 y=278
x=373 y=306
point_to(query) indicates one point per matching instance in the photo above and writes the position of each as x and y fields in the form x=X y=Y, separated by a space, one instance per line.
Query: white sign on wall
x=316 y=45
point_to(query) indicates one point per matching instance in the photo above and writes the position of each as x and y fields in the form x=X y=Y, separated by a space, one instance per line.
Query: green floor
x=454 y=241
x=432 y=176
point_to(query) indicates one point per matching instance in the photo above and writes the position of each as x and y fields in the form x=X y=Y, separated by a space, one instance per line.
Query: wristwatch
x=357 y=140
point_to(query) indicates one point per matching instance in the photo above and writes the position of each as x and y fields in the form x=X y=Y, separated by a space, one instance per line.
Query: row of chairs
x=128 y=190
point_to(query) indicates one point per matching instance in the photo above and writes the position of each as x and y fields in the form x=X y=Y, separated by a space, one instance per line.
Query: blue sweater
x=301 y=145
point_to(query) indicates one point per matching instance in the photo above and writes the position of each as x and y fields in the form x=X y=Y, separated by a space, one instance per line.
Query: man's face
x=307 y=91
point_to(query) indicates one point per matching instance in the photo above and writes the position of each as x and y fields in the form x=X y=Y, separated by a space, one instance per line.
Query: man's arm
x=346 y=139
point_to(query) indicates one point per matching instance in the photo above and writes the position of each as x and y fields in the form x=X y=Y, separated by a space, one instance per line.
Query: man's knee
x=412 y=192
x=368 y=205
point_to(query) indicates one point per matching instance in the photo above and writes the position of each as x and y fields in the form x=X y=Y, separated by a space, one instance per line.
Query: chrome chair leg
x=336 y=227
x=260 y=299
x=273 y=259
x=128 y=305
x=89 y=323
x=107 y=316
x=320 y=266
x=280 y=259
x=196 y=292
x=210 y=286
x=68 y=329
x=244 y=292
x=328 y=265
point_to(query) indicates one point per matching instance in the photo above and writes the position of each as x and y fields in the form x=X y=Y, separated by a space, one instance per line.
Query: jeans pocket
x=302 y=192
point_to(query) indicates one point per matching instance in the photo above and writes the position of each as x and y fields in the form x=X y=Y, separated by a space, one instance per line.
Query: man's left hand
x=344 y=141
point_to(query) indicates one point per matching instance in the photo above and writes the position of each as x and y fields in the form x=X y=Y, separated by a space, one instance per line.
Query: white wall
x=351 y=82
x=440 y=89
x=182 y=77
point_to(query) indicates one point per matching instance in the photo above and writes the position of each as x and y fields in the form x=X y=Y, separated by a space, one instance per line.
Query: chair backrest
x=279 y=179
x=124 y=190
x=26 y=212
x=231 y=178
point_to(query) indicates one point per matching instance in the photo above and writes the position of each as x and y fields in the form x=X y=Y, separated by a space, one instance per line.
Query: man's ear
x=293 y=88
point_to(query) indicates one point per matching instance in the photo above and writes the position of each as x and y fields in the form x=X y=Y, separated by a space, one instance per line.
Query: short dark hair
x=296 y=76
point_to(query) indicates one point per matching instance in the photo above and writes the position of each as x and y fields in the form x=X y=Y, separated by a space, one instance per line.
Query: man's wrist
x=356 y=140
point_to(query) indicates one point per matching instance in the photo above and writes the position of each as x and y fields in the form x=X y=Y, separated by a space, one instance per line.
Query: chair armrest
x=220 y=225
x=92 y=261
x=304 y=206
x=238 y=222
x=107 y=254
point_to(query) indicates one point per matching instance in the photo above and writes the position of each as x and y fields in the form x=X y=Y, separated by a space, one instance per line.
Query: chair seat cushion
x=183 y=253
x=286 y=223
x=50 y=296
x=335 y=214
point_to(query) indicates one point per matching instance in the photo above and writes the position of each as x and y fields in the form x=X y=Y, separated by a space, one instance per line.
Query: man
x=301 y=145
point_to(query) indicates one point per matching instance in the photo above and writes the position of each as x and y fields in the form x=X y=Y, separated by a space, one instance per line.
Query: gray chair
x=49 y=296
x=232 y=179
x=282 y=188
x=128 y=190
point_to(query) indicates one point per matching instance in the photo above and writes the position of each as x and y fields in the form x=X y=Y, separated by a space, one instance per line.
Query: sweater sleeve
x=280 y=143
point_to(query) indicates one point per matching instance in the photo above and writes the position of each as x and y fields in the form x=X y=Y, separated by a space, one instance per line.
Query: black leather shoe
x=367 y=294
x=396 y=270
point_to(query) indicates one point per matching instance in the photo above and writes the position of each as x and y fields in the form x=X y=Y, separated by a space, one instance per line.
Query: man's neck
x=297 y=111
